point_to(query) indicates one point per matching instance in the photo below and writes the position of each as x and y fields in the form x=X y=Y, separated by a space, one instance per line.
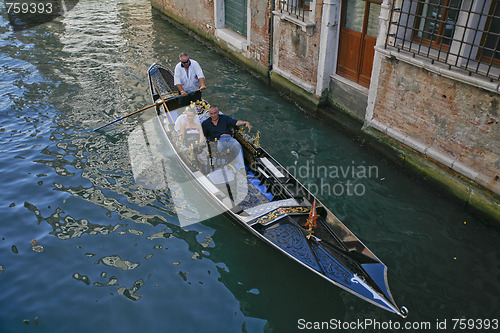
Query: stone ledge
x=301 y=97
x=292 y=78
x=307 y=27
x=232 y=39
x=440 y=69
x=347 y=95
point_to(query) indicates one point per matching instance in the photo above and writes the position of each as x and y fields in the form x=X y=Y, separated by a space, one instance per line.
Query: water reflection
x=112 y=281
x=131 y=293
x=66 y=227
x=116 y=261
x=84 y=278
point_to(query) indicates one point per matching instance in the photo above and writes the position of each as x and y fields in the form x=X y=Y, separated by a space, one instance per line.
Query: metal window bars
x=297 y=8
x=463 y=35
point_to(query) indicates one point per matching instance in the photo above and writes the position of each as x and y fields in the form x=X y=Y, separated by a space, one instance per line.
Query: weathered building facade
x=425 y=73
x=436 y=83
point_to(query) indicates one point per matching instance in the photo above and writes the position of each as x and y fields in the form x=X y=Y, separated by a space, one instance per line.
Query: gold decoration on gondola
x=271 y=216
x=310 y=230
x=256 y=140
x=244 y=140
x=200 y=106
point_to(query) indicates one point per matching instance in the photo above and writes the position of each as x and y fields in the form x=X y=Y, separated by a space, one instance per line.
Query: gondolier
x=218 y=126
x=188 y=75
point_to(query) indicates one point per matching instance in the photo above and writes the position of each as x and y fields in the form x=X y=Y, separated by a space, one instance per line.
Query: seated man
x=218 y=126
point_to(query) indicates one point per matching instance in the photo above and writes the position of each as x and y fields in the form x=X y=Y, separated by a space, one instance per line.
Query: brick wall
x=298 y=51
x=260 y=38
x=458 y=119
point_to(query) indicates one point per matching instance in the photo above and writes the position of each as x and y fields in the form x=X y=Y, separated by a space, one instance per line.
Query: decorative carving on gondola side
x=250 y=151
x=243 y=139
x=271 y=216
x=256 y=139
x=330 y=266
x=292 y=240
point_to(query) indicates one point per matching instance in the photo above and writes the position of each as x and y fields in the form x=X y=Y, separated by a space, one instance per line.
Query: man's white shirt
x=188 y=78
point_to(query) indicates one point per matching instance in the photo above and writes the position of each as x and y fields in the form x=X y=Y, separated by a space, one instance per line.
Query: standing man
x=218 y=126
x=188 y=75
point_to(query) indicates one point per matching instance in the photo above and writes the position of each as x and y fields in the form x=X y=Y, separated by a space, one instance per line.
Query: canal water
x=110 y=254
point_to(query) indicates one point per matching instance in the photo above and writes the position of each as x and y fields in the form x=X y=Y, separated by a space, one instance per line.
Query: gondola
x=270 y=202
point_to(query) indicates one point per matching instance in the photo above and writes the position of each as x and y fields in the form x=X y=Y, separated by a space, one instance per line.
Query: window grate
x=461 y=34
x=297 y=8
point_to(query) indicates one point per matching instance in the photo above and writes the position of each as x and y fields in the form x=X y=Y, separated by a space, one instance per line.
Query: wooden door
x=358 y=34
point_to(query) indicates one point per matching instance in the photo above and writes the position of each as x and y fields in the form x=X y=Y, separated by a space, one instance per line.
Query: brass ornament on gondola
x=200 y=106
x=256 y=140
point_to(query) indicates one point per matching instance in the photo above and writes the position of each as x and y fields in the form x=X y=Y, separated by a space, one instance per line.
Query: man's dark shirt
x=224 y=126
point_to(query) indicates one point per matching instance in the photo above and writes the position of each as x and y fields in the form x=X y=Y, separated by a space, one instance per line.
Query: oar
x=130 y=114
x=144 y=108
x=164 y=102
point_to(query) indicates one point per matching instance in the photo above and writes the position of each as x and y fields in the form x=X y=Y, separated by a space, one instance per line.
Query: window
x=490 y=46
x=297 y=8
x=435 y=22
x=462 y=34
x=232 y=23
